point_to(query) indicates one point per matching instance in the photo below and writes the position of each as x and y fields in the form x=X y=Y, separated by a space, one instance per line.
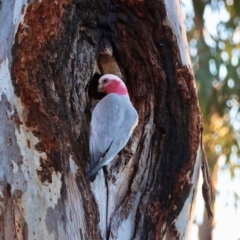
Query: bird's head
x=110 y=83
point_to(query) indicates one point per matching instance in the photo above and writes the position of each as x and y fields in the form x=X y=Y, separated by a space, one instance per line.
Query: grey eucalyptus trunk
x=49 y=52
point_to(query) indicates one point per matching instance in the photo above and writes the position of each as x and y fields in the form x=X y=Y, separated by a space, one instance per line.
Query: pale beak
x=100 y=87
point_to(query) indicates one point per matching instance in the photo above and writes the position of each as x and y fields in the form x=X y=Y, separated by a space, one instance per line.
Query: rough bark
x=148 y=191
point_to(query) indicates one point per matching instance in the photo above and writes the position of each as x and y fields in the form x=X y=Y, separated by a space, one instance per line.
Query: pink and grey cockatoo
x=113 y=121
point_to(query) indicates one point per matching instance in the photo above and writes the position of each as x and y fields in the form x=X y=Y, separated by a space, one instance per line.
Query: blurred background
x=213 y=31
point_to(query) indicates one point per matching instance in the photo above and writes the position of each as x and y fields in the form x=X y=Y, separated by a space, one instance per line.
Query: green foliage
x=214 y=43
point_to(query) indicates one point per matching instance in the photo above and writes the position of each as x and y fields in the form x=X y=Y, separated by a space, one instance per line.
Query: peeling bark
x=58 y=48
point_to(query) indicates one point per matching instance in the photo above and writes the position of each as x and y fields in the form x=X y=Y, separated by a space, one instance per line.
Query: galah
x=113 y=121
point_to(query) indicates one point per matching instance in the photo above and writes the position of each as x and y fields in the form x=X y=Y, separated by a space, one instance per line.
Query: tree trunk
x=50 y=54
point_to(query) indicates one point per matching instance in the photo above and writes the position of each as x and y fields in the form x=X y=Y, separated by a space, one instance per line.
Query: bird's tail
x=91 y=175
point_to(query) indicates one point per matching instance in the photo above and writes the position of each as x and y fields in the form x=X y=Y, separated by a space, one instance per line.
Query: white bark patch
x=109 y=197
x=18 y=14
x=99 y=190
x=125 y=228
x=37 y=198
x=5 y=28
x=5 y=80
x=17 y=11
x=35 y=202
x=188 y=176
x=73 y=166
x=117 y=190
x=175 y=21
x=10 y=15
x=76 y=226
x=184 y=221
x=15 y=167
x=9 y=151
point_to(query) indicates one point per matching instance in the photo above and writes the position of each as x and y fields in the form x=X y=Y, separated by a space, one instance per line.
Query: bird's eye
x=105 y=80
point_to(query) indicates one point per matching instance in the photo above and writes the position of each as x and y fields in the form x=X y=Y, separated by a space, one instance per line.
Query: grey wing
x=105 y=123
x=124 y=132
